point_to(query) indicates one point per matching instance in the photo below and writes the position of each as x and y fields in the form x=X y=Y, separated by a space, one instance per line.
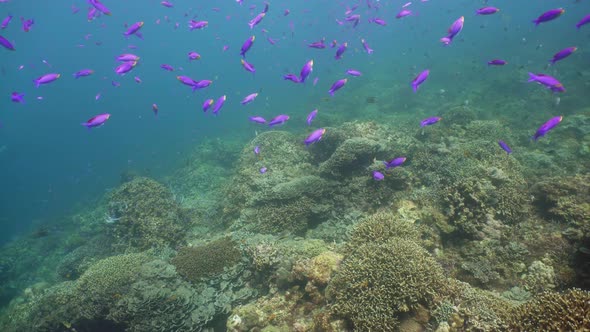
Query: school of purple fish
x=127 y=63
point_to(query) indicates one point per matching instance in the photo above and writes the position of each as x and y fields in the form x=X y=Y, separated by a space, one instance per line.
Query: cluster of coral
x=461 y=237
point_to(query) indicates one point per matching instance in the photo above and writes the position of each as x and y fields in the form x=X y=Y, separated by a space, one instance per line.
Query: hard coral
x=379 y=281
x=196 y=263
x=147 y=214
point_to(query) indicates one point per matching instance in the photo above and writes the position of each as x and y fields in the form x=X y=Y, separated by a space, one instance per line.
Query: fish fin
x=531 y=77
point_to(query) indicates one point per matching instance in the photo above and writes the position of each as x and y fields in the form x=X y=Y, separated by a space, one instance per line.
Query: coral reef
x=146 y=215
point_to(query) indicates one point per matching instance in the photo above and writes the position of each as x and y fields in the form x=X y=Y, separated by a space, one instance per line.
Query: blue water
x=50 y=164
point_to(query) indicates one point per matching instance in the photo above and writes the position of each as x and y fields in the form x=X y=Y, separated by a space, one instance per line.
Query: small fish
x=311 y=116
x=337 y=86
x=249 y=98
x=96 y=121
x=115 y=84
x=505 y=147
x=263 y=170
x=201 y=84
x=186 y=80
x=563 y=54
x=340 y=51
x=257 y=150
x=547 y=126
x=125 y=67
x=378 y=21
x=193 y=56
x=549 y=15
x=353 y=72
x=315 y=136
x=256 y=20
x=550 y=82
x=8 y=45
x=305 y=71
x=291 y=77
x=45 y=79
x=248 y=66
x=487 y=11
x=167 y=67
x=133 y=29
x=396 y=162
x=5 y=22
x=257 y=119
x=366 y=47
x=17 y=97
x=279 y=119
x=403 y=13
x=317 y=44
x=247 y=45
x=286 y=12
x=585 y=20
x=137 y=79
x=430 y=121
x=27 y=24
x=497 y=62
x=83 y=72
x=418 y=80
x=378 y=176
x=219 y=104
x=127 y=57
x=155 y=109
x=197 y=25
x=100 y=7
x=207 y=104
x=167 y=4
x=453 y=30
x=97 y=97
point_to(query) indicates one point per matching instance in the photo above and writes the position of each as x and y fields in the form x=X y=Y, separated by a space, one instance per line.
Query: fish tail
x=531 y=77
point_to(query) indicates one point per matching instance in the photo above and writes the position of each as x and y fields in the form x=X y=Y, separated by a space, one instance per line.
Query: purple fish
x=453 y=31
x=305 y=71
x=550 y=82
x=311 y=116
x=340 y=51
x=96 y=121
x=247 y=45
x=583 y=21
x=549 y=15
x=257 y=150
x=249 y=98
x=291 y=77
x=167 y=67
x=45 y=79
x=257 y=119
x=17 y=97
x=420 y=79
x=100 y=7
x=353 y=72
x=186 y=80
x=487 y=11
x=505 y=147
x=497 y=62
x=83 y=72
x=263 y=170
x=378 y=176
x=378 y=21
x=337 y=86
x=207 y=104
x=318 y=44
x=167 y=4
x=393 y=163
x=248 y=66
x=4 y=42
x=547 y=126
x=218 y=104
x=193 y=56
x=133 y=29
x=5 y=22
x=127 y=57
x=201 y=84
x=430 y=121
x=192 y=25
x=125 y=67
x=256 y=20
x=403 y=13
x=563 y=54
x=315 y=136
x=366 y=47
x=27 y=24
x=278 y=120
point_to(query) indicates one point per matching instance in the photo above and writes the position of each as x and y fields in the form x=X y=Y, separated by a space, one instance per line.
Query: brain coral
x=379 y=281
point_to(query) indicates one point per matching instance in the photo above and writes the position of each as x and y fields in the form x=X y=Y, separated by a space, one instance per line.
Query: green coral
x=379 y=281
x=196 y=263
x=569 y=311
x=351 y=156
x=145 y=214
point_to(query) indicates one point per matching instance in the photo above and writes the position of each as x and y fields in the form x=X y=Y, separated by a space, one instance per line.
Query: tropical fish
x=5 y=22
x=418 y=80
x=247 y=45
x=340 y=51
x=378 y=176
x=167 y=4
x=497 y=62
x=257 y=119
x=192 y=25
x=279 y=119
x=393 y=163
x=8 y=45
x=256 y=150
x=563 y=54
x=547 y=126
x=337 y=86
x=133 y=29
x=218 y=104
x=248 y=66
x=549 y=15
x=155 y=109
x=487 y=11
x=17 y=97
x=45 y=79
x=27 y=24
x=249 y=98
x=311 y=116
x=453 y=30
x=366 y=47
x=263 y=170
x=186 y=81
x=256 y=20
x=317 y=44
x=193 y=56
x=83 y=72
x=127 y=57
x=403 y=13
x=201 y=84
x=125 y=67
x=306 y=70
x=167 y=67
x=353 y=72
x=550 y=82
x=583 y=21
x=430 y=121
x=207 y=104
x=100 y=7
x=96 y=121
x=505 y=147
x=291 y=77
x=315 y=136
